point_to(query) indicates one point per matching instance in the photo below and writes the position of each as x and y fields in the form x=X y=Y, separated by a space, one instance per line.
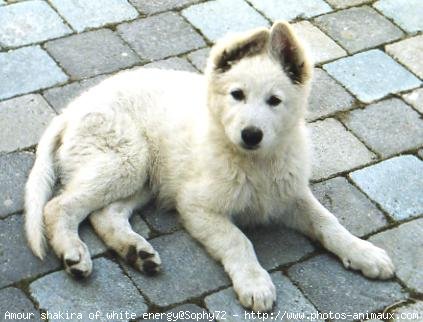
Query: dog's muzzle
x=251 y=137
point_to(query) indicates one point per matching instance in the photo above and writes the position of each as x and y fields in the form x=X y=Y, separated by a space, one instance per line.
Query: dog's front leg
x=310 y=217
x=227 y=244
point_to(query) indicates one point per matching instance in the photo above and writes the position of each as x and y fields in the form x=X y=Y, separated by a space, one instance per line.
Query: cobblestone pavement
x=366 y=123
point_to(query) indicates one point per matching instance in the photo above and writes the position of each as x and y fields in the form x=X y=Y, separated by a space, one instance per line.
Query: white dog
x=230 y=144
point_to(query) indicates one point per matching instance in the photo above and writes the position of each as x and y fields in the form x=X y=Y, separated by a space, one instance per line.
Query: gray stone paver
x=14 y=168
x=92 y=53
x=27 y=69
x=150 y=7
x=388 y=127
x=277 y=246
x=107 y=290
x=405 y=246
x=322 y=48
x=350 y=28
x=327 y=96
x=405 y=13
x=199 y=58
x=335 y=150
x=17 y=261
x=23 y=120
x=161 y=220
x=289 y=299
x=233 y=16
x=82 y=14
x=415 y=99
x=291 y=9
x=60 y=97
x=410 y=53
x=371 y=75
x=146 y=36
x=332 y=288
x=341 y=4
x=13 y=301
x=410 y=312
x=174 y=63
x=183 y=260
x=349 y=205
x=29 y=22
x=44 y=43
x=395 y=184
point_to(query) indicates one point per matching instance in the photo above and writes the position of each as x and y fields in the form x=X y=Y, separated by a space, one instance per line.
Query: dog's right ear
x=228 y=51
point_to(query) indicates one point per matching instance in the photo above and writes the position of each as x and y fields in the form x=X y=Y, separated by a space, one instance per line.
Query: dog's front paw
x=372 y=261
x=255 y=290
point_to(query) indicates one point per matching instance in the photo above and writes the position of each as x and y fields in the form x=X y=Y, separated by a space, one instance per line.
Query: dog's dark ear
x=285 y=47
x=230 y=50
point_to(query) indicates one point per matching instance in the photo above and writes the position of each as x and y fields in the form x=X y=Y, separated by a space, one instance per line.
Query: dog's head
x=258 y=86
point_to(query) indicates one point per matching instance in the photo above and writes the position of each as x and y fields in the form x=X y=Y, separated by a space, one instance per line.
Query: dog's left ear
x=286 y=48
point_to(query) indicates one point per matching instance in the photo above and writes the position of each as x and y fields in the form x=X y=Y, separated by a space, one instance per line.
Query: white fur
x=177 y=136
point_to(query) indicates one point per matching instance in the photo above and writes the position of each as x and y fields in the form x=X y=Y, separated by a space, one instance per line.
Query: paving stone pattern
x=365 y=121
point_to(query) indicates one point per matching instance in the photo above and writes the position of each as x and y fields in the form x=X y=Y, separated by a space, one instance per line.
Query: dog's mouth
x=250 y=147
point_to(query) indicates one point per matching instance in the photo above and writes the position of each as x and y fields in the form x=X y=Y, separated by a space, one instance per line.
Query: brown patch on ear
x=227 y=53
x=287 y=49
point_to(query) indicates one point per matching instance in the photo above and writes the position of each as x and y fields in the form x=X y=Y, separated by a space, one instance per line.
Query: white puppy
x=230 y=144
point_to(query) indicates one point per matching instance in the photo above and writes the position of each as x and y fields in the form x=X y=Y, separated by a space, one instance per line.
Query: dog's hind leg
x=112 y=224
x=97 y=184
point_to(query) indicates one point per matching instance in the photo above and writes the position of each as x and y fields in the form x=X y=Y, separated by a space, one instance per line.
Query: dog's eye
x=273 y=101
x=238 y=95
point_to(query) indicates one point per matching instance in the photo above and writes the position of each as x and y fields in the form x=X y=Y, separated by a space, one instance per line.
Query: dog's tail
x=39 y=187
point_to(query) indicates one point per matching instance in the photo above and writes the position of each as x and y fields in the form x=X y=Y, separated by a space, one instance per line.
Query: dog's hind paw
x=372 y=261
x=77 y=261
x=255 y=290
x=146 y=261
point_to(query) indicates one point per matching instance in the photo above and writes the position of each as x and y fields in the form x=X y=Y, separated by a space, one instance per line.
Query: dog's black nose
x=251 y=136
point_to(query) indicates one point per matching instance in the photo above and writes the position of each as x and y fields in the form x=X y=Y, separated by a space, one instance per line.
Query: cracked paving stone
x=352 y=208
x=371 y=75
x=150 y=7
x=27 y=69
x=160 y=36
x=322 y=48
x=13 y=301
x=289 y=299
x=14 y=170
x=29 y=22
x=290 y=9
x=233 y=16
x=199 y=58
x=185 y=267
x=395 y=184
x=185 y=313
x=16 y=260
x=387 y=127
x=405 y=246
x=406 y=13
x=106 y=290
x=415 y=99
x=60 y=97
x=350 y=28
x=410 y=53
x=276 y=245
x=23 y=120
x=92 y=53
x=414 y=311
x=332 y=288
x=327 y=96
x=173 y=63
x=93 y=14
x=335 y=149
